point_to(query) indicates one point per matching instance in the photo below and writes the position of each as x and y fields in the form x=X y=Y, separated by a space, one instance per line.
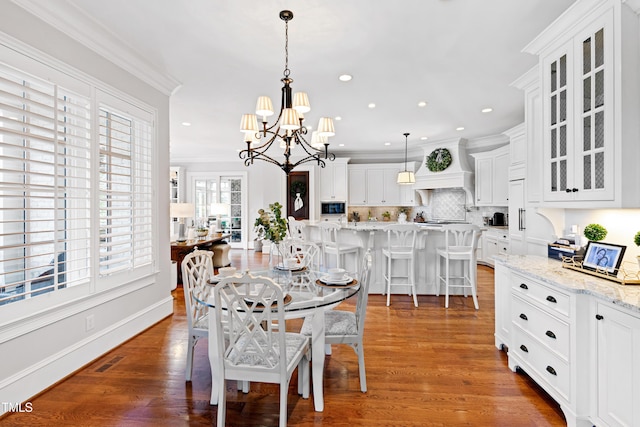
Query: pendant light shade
x=264 y=107
x=325 y=127
x=406 y=177
x=249 y=123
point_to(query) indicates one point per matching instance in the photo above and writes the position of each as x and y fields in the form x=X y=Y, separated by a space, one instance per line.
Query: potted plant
x=386 y=216
x=271 y=226
x=636 y=240
x=595 y=232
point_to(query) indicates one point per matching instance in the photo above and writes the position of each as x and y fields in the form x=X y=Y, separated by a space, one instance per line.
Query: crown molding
x=65 y=17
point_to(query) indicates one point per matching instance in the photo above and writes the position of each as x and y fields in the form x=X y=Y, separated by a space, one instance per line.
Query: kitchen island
x=370 y=235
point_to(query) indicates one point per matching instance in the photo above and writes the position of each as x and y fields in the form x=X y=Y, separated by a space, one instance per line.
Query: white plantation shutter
x=45 y=163
x=126 y=185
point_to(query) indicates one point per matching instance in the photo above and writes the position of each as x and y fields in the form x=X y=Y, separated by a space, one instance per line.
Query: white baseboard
x=27 y=383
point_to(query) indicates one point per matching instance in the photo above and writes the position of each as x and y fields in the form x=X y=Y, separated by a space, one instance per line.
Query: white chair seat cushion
x=337 y=322
x=294 y=343
x=202 y=322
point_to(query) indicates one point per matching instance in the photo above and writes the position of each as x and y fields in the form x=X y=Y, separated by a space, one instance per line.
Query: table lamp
x=219 y=209
x=182 y=211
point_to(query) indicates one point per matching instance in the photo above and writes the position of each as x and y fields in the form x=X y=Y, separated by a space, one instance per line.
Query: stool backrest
x=329 y=233
x=296 y=228
x=461 y=236
x=401 y=237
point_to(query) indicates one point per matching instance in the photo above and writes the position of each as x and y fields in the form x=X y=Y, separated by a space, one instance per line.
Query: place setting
x=336 y=277
x=290 y=264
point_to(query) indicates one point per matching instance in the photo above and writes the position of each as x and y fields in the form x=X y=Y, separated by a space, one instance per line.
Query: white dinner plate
x=329 y=281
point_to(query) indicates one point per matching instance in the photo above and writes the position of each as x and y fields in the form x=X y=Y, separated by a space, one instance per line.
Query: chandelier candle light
x=287 y=130
x=406 y=176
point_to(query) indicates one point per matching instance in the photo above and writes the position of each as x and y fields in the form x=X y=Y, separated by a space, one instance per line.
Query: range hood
x=457 y=175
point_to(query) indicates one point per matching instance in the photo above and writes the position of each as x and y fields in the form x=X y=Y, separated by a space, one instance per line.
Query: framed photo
x=603 y=256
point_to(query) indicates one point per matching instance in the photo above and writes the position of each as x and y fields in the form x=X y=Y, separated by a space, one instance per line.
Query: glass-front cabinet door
x=578 y=83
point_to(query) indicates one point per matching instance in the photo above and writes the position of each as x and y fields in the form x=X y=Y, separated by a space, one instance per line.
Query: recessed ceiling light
x=422 y=104
x=387 y=143
x=309 y=127
x=460 y=128
x=372 y=105
x=423 y=138
x=487 y=110
x=345 y=77
x=338 y=118
x=186 y=124
x=340 y=145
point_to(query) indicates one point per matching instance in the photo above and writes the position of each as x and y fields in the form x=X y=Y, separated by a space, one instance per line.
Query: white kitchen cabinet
x=503 y=315
x=618 y=373
x=357 y=187
x=492 y=177
x=376 y=185
x=495 y=241
x=590 y=104
x=333 y=181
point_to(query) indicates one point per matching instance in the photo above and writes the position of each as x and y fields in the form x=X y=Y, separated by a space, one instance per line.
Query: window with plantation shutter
x=125 y=191
x=45 y=186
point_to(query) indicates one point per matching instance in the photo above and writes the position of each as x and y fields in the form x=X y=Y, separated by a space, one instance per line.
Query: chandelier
x=406 y=176
x=287 y=132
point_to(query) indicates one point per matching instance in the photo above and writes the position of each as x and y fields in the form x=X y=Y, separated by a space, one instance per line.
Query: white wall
x=621 y=225
x=40 y=348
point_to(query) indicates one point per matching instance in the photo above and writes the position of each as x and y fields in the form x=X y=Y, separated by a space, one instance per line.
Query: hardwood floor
x=426 y=366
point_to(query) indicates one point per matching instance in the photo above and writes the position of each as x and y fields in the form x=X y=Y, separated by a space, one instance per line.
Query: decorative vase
x=276 y=257
x=402 y=217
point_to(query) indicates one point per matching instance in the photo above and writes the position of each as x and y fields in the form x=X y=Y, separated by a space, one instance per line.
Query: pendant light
x=406 y=177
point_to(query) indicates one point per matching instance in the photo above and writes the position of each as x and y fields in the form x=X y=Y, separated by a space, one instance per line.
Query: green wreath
x=298 y=187
x=438 y=160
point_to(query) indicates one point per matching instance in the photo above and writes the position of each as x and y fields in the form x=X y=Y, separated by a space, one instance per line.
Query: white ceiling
x=457 y=55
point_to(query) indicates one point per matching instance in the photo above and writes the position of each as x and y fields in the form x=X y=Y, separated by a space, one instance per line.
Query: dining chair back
x=296 y=228
x=347 y=327
x=461 y=243
x=401 y=248
x=307 y=253
x=333 y=245
x=197 y=269
x=253 y=344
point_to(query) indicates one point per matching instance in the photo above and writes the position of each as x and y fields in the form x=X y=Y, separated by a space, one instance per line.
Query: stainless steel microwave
x=333 y=208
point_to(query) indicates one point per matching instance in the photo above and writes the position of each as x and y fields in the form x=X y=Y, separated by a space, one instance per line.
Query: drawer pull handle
x=599 y=316
x=552 y=371
x=523 y=286
x=550 y=334
x=551 y=299
x=524 y=348
x=523 y=316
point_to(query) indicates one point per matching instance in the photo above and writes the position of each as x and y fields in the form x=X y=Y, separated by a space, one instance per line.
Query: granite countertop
x=550 y=271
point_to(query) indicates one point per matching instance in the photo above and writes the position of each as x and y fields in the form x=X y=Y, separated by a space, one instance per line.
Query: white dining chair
x=332 y=244
x=252 y=342
x=296 y=228
x=197 y=269
x=461 y=242
x=400 y=248
x=347 y=327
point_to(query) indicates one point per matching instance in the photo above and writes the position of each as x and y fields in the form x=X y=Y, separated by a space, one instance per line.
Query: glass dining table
x=308 y=295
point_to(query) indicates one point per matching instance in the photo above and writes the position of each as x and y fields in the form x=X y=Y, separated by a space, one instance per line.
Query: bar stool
x=296 y=228
x=332 y=245
x=401 y=244
x=461 y=242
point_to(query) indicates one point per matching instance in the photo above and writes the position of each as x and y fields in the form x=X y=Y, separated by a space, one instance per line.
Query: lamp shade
x=325 y=127
x=182 y=210
x=264 y=107
x=220 y=209
x=301 y=102
x=290 y=119
x=317 y=141
x=406 y=177
x=249 y=123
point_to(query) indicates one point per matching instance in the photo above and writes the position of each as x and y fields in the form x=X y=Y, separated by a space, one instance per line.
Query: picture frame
x=603 y=256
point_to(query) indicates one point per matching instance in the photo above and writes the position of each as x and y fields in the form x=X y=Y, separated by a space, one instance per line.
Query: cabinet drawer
x=545 y=328
x=545 y=296
x=549 y=371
